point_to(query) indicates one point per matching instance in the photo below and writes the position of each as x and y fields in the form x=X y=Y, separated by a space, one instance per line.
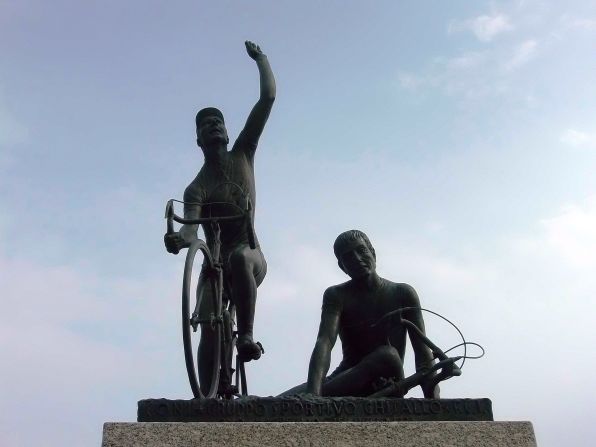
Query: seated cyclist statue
x=226 y=180
x=372 y=354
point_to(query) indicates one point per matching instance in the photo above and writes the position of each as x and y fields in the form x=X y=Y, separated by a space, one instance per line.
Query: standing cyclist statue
x=226 y=180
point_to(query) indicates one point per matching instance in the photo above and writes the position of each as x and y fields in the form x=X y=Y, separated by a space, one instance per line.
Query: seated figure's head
x=355 y=254
x=211 y=128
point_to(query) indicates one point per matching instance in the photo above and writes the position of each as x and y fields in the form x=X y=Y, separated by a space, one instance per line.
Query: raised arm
x=326 y=338
x=260 y=112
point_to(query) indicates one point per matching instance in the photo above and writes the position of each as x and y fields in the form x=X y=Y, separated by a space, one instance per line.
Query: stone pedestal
x=315 y=434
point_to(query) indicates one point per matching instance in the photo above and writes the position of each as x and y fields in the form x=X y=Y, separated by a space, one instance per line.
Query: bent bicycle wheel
x=209 y=288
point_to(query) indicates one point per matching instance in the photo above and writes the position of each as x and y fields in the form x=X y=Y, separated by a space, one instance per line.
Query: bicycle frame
x=225 y=338
x=171 y=217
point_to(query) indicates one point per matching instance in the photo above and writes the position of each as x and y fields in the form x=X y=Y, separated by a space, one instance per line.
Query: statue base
x=313 y=409
x=323 y=434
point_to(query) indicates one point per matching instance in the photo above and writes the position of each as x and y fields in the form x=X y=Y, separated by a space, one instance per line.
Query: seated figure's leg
x=358 y=380
x=247 y=271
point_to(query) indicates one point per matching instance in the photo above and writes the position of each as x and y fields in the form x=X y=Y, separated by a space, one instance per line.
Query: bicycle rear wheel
x=209 y=288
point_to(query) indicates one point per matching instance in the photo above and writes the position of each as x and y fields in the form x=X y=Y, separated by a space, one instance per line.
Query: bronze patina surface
x=313 y=409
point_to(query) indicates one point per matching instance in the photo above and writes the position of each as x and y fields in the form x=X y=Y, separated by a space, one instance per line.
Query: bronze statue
x=225 y=181
x=372 y=353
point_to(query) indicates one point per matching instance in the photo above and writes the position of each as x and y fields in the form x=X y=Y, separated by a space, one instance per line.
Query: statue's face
x=212 y=130
x=357 y=260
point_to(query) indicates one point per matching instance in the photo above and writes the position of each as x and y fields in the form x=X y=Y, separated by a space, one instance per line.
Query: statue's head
x=211 y=128
x=355 y=254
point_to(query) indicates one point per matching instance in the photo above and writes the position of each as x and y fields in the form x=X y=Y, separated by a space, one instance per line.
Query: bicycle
x=447 y=365
x=222 y=319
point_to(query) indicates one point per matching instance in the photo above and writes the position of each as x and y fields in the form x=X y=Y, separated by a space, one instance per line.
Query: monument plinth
x=319 y=434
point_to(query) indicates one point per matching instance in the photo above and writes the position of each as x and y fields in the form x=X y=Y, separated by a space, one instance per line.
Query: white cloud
x=472 y=75
x=74 y=344
x=409 y=81
x=579 y=23
x=521 y=55
x=450 y=74
x=587 y=24
x=434 y=227
x=484 y=27
x=487 y=27
x=564 y=242
x=577 y=138
x=572 y=234
x=466 y=60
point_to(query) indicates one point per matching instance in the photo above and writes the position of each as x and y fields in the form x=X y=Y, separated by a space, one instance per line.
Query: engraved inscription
x=316 y=409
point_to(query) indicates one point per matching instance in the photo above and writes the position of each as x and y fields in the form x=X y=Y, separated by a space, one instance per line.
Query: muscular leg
x=206 y=351
x=298 y=389
x=358 y=380
x=247 y=272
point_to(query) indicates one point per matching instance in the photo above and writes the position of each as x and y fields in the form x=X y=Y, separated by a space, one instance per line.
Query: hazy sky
x=460 y=136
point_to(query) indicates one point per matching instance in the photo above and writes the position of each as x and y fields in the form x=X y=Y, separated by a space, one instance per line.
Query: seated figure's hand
x=175 y=242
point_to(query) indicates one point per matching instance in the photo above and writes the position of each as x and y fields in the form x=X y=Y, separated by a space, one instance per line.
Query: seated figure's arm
x=422 y=353
x=326 y=338
x=260 y=112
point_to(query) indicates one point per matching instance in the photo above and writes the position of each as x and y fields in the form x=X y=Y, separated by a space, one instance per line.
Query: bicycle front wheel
x=209 y=296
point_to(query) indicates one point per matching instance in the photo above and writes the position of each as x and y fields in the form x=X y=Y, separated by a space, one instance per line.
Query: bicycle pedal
x=227 y=392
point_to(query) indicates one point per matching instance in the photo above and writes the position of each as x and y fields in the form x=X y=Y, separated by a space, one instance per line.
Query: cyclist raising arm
x=224 y=182
x=213 y=139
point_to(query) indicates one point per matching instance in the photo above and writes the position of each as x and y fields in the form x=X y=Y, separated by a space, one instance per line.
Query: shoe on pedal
x=247 y=349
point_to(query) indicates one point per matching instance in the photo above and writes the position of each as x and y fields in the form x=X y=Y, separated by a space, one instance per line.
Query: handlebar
x=246 y=215
x=446 y=366
x=437 y=352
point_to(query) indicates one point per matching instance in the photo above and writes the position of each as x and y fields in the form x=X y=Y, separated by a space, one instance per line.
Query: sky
x=460 y=136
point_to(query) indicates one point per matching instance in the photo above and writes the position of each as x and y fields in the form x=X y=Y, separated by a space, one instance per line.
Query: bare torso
x=219 y=186
x=359 y=309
